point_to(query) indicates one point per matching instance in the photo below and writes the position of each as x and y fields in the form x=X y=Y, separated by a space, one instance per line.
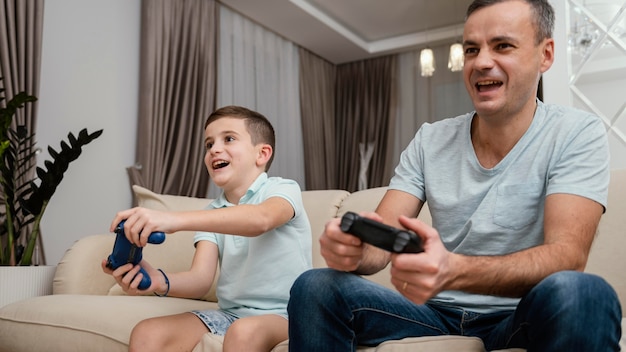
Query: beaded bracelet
x=167 y=282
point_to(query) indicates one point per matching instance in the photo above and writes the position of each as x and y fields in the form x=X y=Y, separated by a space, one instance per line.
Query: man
x=516 y=190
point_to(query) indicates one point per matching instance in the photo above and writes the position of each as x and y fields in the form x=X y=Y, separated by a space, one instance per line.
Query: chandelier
x=455 y=59
x=427 y=62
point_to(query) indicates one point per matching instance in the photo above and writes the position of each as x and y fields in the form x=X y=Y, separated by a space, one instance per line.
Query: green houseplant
x=22 y=203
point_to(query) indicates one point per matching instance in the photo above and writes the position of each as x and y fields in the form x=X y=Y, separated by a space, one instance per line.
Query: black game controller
x=380 y=235
x=125 y=252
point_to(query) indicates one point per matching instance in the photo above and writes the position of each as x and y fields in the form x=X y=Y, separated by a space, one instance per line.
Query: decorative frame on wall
x=597 y=65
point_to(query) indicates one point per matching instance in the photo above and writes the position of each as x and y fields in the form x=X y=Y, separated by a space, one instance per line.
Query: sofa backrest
x=607 y=257
x=321 y=206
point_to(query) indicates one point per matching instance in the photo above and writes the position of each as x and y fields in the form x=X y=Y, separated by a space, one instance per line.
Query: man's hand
x=341 y=251
x=347 y=252
x=421 y=276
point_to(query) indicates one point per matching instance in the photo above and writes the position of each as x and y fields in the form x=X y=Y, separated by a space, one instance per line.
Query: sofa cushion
x=447 y=343
x=82 y=322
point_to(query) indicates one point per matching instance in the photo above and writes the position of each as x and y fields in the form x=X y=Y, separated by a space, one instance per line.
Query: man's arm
x=570 y=224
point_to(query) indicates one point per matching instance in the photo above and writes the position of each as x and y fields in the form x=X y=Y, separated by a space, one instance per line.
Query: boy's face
x=231 y=159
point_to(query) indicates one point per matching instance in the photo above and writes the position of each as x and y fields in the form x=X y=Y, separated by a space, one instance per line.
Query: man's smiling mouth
x=487 y=85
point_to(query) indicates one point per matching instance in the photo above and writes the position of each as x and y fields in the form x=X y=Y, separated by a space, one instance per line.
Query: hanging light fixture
x=427 y=62
x=455 y=60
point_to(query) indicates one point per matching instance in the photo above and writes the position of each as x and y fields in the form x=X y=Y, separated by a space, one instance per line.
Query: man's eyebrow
x=502 y=38
x=469 y=43
x=498 y=39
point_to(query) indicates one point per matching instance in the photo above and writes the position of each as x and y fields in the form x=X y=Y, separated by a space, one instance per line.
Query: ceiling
x=348 y=30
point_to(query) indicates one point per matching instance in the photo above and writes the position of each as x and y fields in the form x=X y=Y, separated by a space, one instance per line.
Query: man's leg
x=336 y=311
x=568 y=311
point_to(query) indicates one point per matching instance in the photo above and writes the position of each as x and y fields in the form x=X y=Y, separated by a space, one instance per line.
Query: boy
x=257 y=228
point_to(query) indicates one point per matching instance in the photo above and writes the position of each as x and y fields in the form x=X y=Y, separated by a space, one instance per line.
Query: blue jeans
x=571 y=311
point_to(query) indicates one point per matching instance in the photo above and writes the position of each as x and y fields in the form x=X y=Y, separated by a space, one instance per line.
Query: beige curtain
x=317 y=105
x=21 y=30
x=365 y=116
x=177 y=93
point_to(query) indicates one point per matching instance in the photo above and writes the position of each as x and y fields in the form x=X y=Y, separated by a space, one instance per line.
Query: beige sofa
x=88 y=312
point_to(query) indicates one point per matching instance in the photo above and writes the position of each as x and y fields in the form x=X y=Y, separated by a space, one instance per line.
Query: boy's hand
x=128 y=278
x=141 y=222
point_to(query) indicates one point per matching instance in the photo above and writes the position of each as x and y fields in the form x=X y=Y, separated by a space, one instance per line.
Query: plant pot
x=21 y=282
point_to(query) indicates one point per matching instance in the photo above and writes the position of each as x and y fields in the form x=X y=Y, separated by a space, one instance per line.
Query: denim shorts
x=218 y=321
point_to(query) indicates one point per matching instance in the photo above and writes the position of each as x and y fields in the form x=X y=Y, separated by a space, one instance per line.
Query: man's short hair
x=542 y=11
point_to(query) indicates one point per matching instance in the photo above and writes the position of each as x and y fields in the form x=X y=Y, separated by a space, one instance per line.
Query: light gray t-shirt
x=497 y=211
x=256 y=273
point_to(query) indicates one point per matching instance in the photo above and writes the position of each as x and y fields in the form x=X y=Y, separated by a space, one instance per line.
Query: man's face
x=502 y=61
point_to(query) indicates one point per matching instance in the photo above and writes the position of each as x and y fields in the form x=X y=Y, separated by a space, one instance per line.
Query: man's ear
x=548 y=54
x=265 y=153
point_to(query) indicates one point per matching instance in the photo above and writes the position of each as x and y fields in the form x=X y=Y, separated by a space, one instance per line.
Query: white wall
x=606 y=93
x=89 y=79
x=555 y=80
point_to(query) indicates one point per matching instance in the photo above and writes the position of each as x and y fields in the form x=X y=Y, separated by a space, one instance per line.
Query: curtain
x=365 y=114
x=259 y=70
x=177 y=93
x=20 y=55
x=426 y=99
x=317 y=104
x=21 y=32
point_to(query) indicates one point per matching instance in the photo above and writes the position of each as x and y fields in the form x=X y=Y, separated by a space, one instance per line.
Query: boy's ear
x=265 y=153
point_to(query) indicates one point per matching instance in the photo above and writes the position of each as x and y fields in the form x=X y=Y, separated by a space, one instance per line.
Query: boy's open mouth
x=220 y=164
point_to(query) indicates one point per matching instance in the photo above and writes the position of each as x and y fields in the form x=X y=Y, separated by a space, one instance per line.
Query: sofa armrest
x=79 y=271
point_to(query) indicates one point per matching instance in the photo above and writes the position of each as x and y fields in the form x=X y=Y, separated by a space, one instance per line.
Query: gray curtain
x=177 y=94
x=317 y=105
x=21 y=31
x=365 y=118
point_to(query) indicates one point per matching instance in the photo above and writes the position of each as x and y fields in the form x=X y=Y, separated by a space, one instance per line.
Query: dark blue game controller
x=125 y=252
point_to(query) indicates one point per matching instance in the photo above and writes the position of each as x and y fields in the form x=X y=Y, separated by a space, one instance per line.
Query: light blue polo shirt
x=256 y=273
x=479 y=211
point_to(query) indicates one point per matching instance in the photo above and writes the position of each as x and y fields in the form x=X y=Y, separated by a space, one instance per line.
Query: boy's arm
x=198 y=280
x=244 y=220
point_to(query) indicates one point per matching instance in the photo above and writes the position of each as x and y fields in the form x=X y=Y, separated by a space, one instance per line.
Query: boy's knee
x=241 y=329
x=145 y=336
